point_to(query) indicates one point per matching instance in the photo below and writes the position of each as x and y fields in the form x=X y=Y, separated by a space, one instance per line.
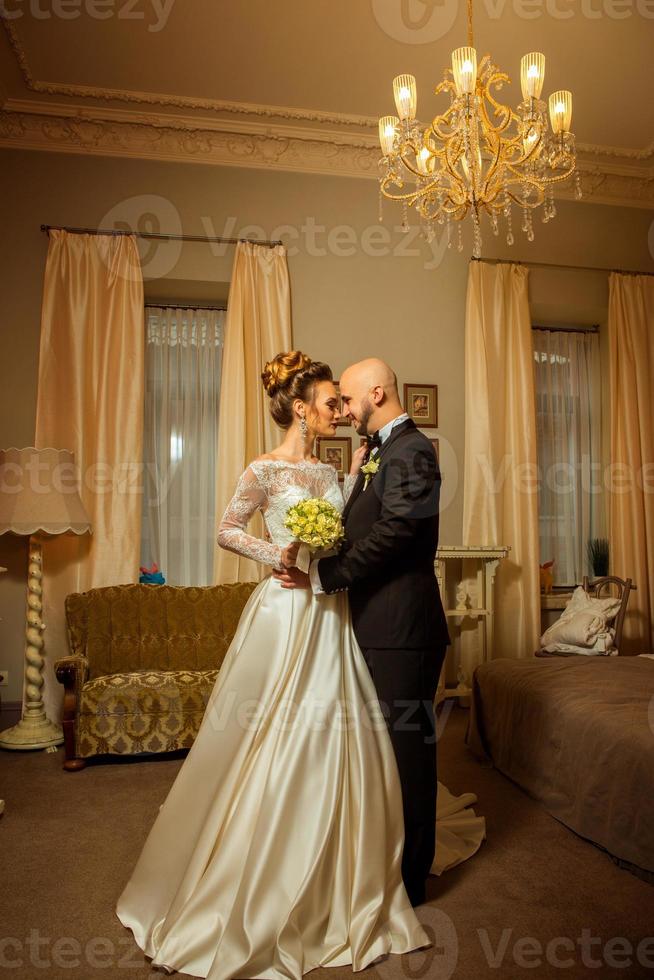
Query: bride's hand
x=289 y=554
x=358 y=457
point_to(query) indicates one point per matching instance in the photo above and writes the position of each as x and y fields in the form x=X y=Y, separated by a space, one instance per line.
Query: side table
x=466 y=579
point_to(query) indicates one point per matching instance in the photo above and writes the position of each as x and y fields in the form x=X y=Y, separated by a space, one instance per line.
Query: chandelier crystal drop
x=479 y=156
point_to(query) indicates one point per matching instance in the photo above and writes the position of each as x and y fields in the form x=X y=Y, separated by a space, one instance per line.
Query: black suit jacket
x=387 y=558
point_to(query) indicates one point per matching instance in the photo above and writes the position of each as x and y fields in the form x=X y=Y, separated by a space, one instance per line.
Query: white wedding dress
x=278 y=848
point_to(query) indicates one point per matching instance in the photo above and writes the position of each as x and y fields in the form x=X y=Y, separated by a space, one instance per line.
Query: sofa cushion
x=142 y=711
x=123 y=628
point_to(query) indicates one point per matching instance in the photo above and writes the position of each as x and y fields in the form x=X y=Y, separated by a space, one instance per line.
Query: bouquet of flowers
x=317 y=524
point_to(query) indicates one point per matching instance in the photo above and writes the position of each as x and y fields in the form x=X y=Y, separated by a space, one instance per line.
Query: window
x=182 y=384
x=568 y=431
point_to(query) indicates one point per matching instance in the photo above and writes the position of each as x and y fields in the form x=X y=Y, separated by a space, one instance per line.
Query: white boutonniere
x=369 y=469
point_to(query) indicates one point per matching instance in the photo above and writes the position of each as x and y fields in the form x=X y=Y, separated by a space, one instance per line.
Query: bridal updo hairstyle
x=290 y=376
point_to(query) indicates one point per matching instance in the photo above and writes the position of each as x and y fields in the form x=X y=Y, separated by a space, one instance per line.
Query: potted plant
x=598 y=556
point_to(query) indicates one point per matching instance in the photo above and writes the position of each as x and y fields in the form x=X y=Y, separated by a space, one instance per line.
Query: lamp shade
x=560 y=105
x=464 y=70
x=38 y=492
x=532 y=75
x=404 y=92
x=387 y=129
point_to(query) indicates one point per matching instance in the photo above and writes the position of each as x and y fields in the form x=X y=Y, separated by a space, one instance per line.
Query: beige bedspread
x=578 y=735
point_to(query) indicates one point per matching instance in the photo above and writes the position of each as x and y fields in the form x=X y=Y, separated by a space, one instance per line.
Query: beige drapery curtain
x=500 y=499
x=257 y=326
x=90 y=401
x=631 y=498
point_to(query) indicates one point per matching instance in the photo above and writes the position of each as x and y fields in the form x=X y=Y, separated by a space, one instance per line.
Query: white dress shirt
x=384 y=433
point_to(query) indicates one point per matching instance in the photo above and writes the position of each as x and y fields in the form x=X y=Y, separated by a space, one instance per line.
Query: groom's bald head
x=370 y=396
x=373 y=372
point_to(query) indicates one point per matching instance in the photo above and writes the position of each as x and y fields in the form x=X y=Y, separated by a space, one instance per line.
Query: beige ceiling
x=325 y=61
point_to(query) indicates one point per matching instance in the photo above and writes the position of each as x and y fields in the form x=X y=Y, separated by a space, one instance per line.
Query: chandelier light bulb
x=529 y=139
x=404 y=92
x=387 y=129
x=464 y=69
x=560 y=105
x=532 y=75
x=423 y=160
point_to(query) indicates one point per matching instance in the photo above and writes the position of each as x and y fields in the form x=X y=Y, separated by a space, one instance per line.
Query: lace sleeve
x=348 y=485
x=248 y=498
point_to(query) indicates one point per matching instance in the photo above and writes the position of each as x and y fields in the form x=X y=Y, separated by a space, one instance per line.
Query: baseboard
x=10 y=713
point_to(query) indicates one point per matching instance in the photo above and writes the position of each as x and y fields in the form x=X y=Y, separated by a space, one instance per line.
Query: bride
x=278 y=848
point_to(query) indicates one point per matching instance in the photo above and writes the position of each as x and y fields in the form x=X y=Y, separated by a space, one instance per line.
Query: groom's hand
x=292 y=578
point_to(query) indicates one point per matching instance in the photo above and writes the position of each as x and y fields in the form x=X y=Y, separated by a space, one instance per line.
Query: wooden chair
x=601 y=587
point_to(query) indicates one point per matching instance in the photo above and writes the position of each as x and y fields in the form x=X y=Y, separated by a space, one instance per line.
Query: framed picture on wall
x=336 y=452
x=421 y=404
x=341 y=421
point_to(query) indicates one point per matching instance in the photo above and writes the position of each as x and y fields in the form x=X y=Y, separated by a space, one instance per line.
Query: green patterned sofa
x=144 y=659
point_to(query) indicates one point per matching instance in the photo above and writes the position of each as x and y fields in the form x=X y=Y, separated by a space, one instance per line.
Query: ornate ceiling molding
x=285 y=141
x=74 y=133
x=647 y=152
x=190 y=123
x=175 y=101
x=268 y=147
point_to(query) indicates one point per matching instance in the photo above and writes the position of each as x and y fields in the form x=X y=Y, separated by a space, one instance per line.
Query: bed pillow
x=583 y=626
x=602 y=647
x=580 y=601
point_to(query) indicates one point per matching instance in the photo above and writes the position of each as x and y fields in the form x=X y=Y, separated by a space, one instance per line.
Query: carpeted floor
x=536 y=901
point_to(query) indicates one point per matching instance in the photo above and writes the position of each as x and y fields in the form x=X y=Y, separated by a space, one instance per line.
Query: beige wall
x=407 y=308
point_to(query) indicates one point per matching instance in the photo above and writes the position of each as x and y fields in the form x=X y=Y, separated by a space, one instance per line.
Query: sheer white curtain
x=183 y=356
x=568 y=432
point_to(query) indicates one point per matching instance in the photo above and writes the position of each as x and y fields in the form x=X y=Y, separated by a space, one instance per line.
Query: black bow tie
x=373 y=441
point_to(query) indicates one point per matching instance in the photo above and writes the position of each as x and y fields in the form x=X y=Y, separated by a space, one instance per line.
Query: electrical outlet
x=4 y=678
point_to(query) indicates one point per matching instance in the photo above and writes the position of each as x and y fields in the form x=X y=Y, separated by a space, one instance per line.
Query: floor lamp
x=2 y=802
x=39 y=499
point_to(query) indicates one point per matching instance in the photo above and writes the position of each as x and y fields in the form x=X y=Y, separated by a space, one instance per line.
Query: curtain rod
x=182 y=306
x=593 y=328
x=148 y=234
x=556 y=265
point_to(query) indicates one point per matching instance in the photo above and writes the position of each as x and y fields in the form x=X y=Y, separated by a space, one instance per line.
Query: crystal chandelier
x=479 y=155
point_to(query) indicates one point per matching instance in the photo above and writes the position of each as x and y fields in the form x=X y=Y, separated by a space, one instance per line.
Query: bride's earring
x=304 y=428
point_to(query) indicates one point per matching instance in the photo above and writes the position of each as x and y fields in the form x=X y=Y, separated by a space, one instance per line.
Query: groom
x=387 y=565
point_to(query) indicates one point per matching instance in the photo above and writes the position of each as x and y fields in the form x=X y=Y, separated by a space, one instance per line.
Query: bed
x=577 y=733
